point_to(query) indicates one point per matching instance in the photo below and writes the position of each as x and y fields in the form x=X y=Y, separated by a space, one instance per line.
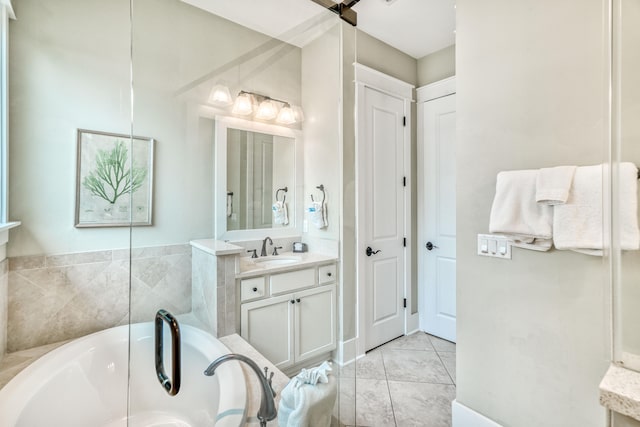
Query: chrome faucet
x=267 y=411
x=263 y=252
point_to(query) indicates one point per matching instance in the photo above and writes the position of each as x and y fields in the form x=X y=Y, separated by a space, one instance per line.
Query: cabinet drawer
x=326 y=274
x=287 y=282
x=252 y=288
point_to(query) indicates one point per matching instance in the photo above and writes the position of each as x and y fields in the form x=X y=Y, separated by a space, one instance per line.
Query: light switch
x=494 y=245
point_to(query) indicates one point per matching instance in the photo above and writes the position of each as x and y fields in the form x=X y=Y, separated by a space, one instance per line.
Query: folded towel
x=280 y=213
x=516 y=214
x=308 y=399
x=578 y=224
x=314 y=375
x=317 y=214
x=553 y=184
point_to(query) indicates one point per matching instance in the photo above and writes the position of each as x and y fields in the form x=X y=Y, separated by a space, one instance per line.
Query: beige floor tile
x=371 y=366
x=415 y=366
x=373 y=403
x=442 y=345
x=415 y=341
x=424 y=405
x=449 y=361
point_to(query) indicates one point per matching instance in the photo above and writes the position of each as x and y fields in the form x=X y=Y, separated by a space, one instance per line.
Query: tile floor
x=409 y=381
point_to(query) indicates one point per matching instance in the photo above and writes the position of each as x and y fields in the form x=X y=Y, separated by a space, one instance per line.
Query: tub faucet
x=267 y=411
x=263 y=252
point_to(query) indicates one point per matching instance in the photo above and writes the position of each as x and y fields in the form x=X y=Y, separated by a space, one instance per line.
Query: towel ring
x=324 y=195
x=284 y=198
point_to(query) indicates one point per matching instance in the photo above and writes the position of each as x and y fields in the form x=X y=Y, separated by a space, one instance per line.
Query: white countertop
x=620 y=391
x=305 y=259
x=216 y=247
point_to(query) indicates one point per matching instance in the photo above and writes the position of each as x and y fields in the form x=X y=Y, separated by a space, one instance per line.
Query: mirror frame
x=296 y=209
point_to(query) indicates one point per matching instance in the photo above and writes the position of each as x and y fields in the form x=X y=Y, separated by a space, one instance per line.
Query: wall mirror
x=256 y=166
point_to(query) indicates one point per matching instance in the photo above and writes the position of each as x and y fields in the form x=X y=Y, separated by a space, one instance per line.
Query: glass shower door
x=242 y=116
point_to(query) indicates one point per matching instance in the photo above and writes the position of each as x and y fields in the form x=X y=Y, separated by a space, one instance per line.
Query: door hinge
x=404 y=181
x=404 y=121
x=404 y=242
x=405 y=303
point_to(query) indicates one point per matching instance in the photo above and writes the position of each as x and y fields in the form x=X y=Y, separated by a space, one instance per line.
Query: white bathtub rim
x=232 y=403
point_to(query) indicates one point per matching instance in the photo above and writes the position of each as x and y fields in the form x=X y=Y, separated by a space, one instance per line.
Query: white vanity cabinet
x=294 y=327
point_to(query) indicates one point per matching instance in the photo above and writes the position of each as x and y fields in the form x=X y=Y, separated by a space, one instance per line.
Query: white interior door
x=383 y=218
x=437 y=186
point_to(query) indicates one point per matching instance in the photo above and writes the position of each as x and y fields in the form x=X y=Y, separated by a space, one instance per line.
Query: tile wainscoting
x=54 y=298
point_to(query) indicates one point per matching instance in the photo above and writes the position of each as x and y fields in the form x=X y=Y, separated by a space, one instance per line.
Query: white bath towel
x=516 y=214
x=280 y=213
x=553 y=184
x=308 y=399
x=317 y=214
x=578 y=224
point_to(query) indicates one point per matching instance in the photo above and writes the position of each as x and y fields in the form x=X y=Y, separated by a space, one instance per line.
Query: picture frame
x=114 y=180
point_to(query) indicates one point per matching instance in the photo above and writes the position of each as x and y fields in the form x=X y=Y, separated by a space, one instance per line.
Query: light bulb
x=243 y=105
x=286 y=116
x=220 y=96
x=267 y=110
x=298 y=114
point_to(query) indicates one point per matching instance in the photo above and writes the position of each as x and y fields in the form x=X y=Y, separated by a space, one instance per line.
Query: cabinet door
x=315 y=322
x=267 y=325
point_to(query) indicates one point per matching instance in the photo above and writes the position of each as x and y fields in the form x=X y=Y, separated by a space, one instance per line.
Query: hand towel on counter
x=280 y=213
x=553 y=184
x=308 y=399
x=516 y=214
x=578 y=224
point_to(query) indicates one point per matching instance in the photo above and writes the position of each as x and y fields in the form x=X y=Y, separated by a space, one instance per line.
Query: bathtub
x=84 y=384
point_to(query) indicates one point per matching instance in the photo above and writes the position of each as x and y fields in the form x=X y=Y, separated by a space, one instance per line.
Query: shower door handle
x=171 y=385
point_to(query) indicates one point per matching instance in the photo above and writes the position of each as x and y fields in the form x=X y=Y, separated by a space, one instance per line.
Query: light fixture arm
x=261 y=97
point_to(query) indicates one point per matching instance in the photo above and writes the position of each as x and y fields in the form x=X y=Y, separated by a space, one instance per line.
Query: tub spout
x=267 y=410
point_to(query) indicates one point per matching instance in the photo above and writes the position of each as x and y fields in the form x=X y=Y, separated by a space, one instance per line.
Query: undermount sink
x=276 y=260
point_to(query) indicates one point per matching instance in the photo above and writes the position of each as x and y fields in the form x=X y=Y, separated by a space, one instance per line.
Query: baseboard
x=345 y=353
x=464 y=416
x=413 y=323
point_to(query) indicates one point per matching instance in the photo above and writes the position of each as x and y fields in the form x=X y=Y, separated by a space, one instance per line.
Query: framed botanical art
x=114 y=184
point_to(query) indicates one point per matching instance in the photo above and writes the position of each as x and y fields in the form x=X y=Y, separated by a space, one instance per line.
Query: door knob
x=430 y=246
x=371 y=251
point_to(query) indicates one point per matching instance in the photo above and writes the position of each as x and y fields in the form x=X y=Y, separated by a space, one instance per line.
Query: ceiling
x=416 y=27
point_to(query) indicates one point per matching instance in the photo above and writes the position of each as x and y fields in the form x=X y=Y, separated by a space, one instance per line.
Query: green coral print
x=109 y=180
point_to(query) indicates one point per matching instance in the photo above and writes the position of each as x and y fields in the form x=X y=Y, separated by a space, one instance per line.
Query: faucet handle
x=269 y=378
x=254 y=254
x=275 y=250
x=270 y=383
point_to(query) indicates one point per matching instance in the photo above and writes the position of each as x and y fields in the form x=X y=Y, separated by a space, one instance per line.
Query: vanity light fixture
x=220 y=96
x=244 y=104
x=268 y=108
x=286 y=116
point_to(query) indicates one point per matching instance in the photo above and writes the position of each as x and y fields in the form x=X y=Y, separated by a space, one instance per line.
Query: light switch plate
x=494 y=245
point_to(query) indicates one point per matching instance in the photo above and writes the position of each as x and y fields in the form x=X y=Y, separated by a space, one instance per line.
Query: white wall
x=533 y=341
x=70 y=69
x=321 y=128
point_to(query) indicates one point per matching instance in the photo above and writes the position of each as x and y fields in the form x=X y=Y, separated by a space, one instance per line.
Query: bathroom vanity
x=283 y=305
x=288 y=309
